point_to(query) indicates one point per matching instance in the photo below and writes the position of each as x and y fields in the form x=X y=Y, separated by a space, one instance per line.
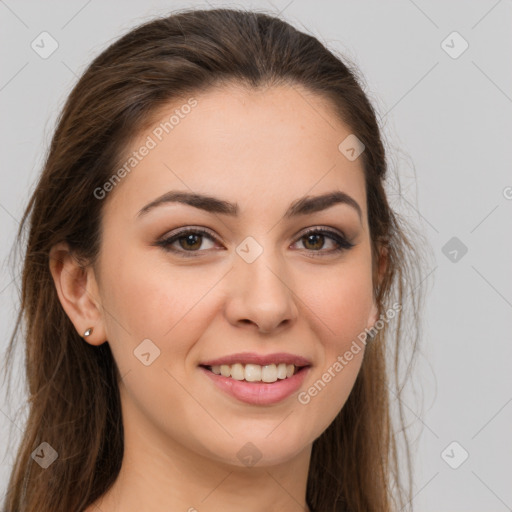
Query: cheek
x=146 y=298
x=170 y=307
x=340 y=300
x=338 y=306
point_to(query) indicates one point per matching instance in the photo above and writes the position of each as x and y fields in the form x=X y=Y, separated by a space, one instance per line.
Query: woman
x=212 y=278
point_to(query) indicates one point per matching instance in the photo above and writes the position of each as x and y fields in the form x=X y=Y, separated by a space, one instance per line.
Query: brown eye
x=314 y=240
x=189 y=240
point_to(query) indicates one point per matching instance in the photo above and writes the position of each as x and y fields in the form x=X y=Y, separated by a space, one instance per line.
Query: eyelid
x=183 y=230
x=323 y=229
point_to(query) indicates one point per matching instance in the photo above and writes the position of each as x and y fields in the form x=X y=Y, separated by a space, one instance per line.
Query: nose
x=261 y=294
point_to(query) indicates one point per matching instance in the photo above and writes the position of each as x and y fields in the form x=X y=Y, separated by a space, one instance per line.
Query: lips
x=258 y=393
x=259 y=359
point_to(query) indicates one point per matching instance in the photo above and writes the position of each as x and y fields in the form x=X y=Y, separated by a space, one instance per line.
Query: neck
x=158 y=474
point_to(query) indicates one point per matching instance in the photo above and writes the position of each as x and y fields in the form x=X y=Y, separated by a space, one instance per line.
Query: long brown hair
x=74 y=402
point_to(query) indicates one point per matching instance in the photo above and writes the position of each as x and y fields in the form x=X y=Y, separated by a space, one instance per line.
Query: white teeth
x=269 y=373
x=252 y=373
x=237 y=372
x=281 y=371
x=255 y=372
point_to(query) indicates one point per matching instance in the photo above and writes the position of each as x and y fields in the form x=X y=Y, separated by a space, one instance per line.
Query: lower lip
x=258 y=393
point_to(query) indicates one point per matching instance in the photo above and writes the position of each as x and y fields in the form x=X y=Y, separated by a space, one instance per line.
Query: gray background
x=448 y=122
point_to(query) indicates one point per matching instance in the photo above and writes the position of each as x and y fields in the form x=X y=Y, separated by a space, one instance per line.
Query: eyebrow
x=303 y=206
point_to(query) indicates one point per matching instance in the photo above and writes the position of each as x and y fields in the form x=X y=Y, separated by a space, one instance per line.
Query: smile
x=255 y=372
x=257 y=391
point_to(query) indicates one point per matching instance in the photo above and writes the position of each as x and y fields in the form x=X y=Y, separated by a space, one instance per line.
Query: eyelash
x=342 y=242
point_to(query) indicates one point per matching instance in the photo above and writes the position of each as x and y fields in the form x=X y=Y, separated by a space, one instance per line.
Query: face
x=182 y=285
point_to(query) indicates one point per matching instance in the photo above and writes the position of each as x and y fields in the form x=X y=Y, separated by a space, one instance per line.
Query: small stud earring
x=88 y=332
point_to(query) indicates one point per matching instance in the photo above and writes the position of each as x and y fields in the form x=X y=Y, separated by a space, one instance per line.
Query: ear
x=381 y=267
x=78 y=293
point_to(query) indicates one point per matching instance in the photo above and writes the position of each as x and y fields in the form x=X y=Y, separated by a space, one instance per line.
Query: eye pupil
x=313 y=236
x=189 y=238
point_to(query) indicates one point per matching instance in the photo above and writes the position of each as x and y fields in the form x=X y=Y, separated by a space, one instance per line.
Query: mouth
x=255 y=373
x=257 y=385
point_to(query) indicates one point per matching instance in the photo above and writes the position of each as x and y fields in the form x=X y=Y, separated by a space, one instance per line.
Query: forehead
x=255 y=147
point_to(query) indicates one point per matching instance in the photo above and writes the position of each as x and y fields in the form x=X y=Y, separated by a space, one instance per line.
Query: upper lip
x=262 y=360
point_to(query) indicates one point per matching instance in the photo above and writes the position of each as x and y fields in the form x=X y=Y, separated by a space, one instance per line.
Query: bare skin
x=262 y=150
